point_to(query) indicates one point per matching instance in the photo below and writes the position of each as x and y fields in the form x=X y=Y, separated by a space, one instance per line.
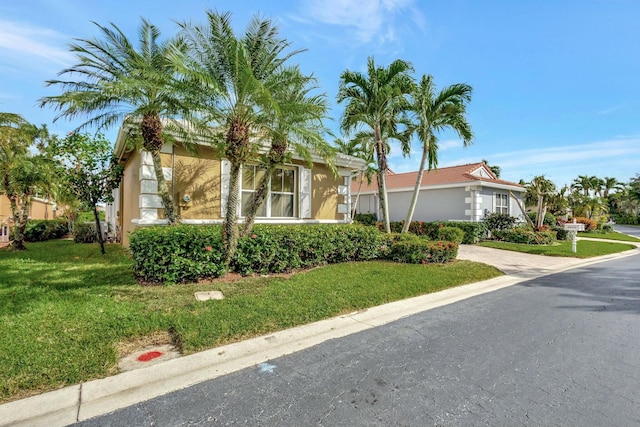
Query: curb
x=87 y=400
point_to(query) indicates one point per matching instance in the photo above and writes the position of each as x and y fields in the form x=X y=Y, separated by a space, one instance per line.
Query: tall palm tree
x=610 y=184
x=435 y=112
x=494 y=168
x=296 y=126
x=583 y=183
x=539 y=191
x=375 y=104
x=115 y=82
x=235 y=84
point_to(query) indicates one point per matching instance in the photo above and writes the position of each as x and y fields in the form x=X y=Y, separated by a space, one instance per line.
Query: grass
x=585 y=248
x=609 y=236
x=65 y=310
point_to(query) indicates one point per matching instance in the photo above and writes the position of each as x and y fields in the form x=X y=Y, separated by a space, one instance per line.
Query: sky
x=556 y=84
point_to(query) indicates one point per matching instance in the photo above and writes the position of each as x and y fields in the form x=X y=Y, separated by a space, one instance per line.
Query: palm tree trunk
x=20 y=218
x=416 y=190
x=230 y=223
x=355 y=204
x=257 y=199
x=382 y=181
x=170 y=211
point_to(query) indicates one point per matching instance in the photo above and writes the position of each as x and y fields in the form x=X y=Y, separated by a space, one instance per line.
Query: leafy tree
x=23 y=174
x=115 y=82
x=236 y=80
x=434 y=113
x=376 y=105
x=92 y=173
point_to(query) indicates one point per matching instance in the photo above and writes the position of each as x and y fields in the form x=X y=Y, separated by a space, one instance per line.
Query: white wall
x=433 y=205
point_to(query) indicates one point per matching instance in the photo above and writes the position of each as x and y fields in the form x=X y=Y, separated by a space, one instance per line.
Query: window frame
x=267 y=206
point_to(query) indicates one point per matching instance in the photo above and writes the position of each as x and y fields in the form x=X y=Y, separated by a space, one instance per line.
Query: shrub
x=39 y=230
x=84 y=232
x=549 y=219
x=589 y=224
x=365 y=218
x=499 y=221
x=473 y=231
x=561 y=233
x=421 y=251
x=451 y=234
x=527 y=236
x=177 y=253
x=606 y=228
x=627 y=219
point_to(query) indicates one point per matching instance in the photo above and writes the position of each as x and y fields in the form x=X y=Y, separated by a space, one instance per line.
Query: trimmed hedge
x=189 y=252
x=365 y=218
x=473 y=231
x=412 y=249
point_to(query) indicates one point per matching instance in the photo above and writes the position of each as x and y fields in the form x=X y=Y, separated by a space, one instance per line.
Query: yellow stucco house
x=40 y=209
x=298 y=193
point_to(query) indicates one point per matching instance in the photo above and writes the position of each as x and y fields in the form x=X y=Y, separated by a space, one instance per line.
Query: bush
x=499 y=221
x=365 y=218
x=177 y=253
x=451 y=234
x=422 y=251
x=473 y=231
x=39 y=230
x=549 y=219
x=606 y=228
x=84 y=232
x=589 y=224
x=561 y=233
x=627 y=219
x=527 y=236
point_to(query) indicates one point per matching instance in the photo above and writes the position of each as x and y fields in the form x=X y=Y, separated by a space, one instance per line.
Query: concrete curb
x=80 y=402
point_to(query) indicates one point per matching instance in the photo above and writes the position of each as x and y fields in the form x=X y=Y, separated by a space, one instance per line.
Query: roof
x=449 y=176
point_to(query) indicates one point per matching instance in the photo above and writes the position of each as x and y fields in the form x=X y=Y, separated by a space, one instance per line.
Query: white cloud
x=23 y=42
x=448 y=144
x=369 y=19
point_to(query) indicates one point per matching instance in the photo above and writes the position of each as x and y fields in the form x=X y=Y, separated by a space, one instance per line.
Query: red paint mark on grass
x=145 y=357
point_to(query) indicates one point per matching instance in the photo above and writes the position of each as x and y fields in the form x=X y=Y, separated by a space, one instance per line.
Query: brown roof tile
x=440 y=176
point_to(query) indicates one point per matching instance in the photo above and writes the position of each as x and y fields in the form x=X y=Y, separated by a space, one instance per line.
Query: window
x=280 y=200
x=501 y=203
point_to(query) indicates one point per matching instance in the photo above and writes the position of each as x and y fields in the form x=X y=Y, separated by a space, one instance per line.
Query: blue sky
x=556 y=83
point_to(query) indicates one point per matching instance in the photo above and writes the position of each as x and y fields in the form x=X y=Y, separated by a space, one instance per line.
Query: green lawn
x=65 y=310
x=609 y=236
x=585 y=248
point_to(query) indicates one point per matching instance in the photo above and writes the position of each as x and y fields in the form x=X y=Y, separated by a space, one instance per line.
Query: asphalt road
x=628 y=229
x=559 y=350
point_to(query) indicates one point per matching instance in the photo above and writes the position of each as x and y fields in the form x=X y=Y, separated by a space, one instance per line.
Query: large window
x=280 y=200
x=501 y=203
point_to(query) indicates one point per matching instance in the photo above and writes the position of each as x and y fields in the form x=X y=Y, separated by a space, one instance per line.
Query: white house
x=457 y=193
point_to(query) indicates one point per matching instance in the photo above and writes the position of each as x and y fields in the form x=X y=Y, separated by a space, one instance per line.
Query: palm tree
x=539 y=192
x=235 y=81
x=434 y=113
x=297 y=126
x=115 y=82
x=376 y=104
x=494 y=168
x=610 y=184
x=582 y=183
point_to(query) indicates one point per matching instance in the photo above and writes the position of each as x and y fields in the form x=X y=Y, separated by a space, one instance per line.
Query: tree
x=297 y=126
x=494 y=168
x=92 y=173
x=377 y=104
x=539 y=192
x=609 y=184
x=24 y=174
x=583 y=183
x=235 y=79
x=434 y=113
x=114 y=82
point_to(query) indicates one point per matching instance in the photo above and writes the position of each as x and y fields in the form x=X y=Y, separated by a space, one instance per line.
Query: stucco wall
x=433 y=205
x=129 y=200
x=199 y=178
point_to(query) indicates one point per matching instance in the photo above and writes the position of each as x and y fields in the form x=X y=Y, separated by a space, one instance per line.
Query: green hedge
x=39 y=230
x=412 y=249
x=526 y=235
x=473 y=231
x=187 y=252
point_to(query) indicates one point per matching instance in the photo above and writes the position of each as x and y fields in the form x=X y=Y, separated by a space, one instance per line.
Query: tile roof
x=440 y=176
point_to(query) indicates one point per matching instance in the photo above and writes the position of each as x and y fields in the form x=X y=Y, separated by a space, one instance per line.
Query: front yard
x=67 y=313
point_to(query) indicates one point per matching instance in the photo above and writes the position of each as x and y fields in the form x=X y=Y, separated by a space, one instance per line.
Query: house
x=457 y=193
x=298 y=193
x=39 y=209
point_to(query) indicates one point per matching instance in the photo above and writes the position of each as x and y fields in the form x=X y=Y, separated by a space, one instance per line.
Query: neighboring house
x=40 y=209
x=298 y=194
x=458 y=193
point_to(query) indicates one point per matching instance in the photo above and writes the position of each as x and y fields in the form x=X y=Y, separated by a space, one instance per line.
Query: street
x=563 y=349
